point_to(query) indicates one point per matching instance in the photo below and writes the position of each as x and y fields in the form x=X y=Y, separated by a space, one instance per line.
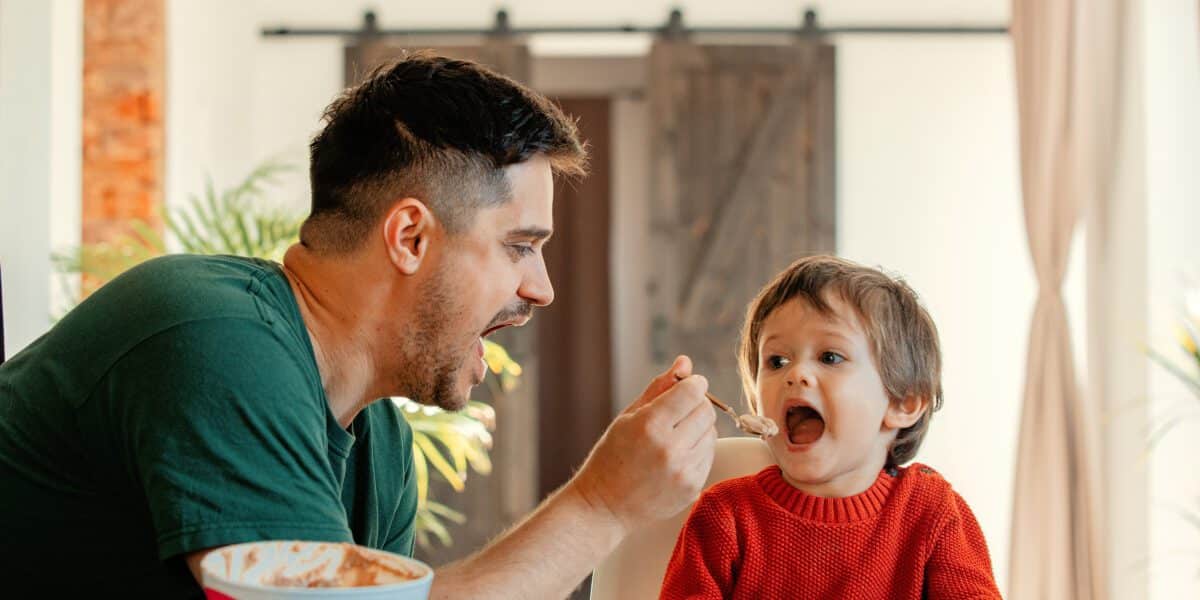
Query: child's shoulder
x=923 y=485
x=921 y=474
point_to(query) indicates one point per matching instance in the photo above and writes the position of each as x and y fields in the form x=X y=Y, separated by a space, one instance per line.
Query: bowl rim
x=208 y=573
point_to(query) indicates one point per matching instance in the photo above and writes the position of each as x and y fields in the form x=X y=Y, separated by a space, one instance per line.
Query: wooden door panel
x=742 y=185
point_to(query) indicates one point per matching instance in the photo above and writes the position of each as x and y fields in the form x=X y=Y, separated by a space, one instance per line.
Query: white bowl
x=293 y=569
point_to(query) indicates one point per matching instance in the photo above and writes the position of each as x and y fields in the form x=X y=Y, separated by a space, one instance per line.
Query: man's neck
x=337 y=314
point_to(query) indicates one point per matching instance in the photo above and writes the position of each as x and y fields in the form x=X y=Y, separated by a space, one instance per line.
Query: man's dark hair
x=433 y=128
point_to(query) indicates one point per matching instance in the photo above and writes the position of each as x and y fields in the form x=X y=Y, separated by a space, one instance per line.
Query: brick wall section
x=123 y=91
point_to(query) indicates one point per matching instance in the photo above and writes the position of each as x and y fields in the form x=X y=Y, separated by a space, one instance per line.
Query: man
x=197 y=402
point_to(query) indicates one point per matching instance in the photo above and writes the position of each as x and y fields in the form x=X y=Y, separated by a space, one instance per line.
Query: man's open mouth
x=494 y=329
x=511 y=317
x=804 y=425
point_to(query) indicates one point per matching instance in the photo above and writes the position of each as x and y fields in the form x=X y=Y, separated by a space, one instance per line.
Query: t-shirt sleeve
x=225 y=433
x=704 y=561
x=959 y=565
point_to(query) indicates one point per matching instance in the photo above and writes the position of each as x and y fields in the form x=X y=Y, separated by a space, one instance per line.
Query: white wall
x=1172 y=146
x=235 y=100
x=40 y=139
x=471 y=13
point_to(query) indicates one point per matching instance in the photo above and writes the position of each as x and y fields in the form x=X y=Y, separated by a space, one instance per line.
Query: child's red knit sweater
x=907 y=536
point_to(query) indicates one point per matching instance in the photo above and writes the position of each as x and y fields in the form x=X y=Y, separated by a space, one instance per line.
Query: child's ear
x=905 y=411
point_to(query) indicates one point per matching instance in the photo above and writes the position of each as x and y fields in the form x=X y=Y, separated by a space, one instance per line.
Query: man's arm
x=193 y=563
x=649 y=465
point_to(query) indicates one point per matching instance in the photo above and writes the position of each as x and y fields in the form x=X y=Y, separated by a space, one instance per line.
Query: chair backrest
x=635 y=569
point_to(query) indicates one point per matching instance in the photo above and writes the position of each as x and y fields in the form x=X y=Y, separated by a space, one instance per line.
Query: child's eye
x=775 y=362
x=832 y=358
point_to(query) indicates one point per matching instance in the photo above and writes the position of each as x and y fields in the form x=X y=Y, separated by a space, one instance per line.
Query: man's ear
x=408 y=227
x=904 y=412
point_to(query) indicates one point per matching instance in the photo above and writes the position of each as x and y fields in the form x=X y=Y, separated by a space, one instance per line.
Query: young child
x=846 y=361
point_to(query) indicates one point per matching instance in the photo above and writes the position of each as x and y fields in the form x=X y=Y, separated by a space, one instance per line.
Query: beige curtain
x=1067 y=57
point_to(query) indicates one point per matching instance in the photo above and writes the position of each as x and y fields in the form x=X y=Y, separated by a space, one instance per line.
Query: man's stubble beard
x=430 y=358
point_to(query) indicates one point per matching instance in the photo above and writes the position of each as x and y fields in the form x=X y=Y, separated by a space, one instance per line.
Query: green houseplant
x=237 y=221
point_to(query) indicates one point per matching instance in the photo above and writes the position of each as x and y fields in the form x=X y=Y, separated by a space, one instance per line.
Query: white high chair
x=635 y=569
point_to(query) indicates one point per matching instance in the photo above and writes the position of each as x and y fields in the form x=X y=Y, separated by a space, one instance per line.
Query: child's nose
x=799 y=376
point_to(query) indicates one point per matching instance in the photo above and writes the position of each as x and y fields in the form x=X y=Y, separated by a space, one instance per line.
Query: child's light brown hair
x=903 y=337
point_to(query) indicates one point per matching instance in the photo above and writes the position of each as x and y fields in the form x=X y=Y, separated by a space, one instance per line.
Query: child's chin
x=801 y=477
x=802 y=468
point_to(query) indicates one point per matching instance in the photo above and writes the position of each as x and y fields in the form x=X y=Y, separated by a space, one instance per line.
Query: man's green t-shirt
x=180 y=408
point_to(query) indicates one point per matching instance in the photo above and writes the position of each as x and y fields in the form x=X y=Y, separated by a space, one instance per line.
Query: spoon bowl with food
x=760 y=426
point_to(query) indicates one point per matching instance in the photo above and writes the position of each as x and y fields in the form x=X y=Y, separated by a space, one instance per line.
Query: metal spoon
x=752 y=424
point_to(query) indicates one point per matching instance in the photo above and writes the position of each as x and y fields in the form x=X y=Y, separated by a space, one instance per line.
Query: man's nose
x=536 y=287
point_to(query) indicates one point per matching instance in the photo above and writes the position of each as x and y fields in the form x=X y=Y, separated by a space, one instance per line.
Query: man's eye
x=776 y=362
x=520 y=250
x=832 y=358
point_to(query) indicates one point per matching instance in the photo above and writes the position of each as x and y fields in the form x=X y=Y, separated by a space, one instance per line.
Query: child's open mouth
x=804 y=425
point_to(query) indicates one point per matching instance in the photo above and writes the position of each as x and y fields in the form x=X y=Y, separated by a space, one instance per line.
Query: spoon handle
x=717 y=403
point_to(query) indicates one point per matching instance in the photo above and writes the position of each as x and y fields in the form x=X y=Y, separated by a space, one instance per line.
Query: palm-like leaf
x=234 y=221
x=450 y=442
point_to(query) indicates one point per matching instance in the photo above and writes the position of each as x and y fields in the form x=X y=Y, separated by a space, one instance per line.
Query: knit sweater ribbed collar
x=858 y=507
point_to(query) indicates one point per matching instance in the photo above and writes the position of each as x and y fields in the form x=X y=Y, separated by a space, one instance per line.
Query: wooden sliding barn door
x=742 y=185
